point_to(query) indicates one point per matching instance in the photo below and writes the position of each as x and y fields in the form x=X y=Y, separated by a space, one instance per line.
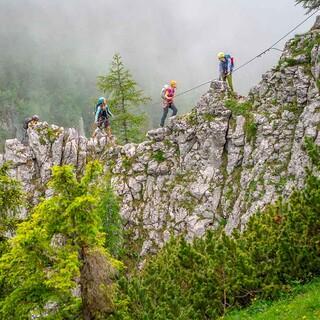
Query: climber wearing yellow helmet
x=167 y=94
x=226 y=64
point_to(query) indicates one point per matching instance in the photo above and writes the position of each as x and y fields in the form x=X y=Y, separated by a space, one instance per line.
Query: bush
x=205 y=278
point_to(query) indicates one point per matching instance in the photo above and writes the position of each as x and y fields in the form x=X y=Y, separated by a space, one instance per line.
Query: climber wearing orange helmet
x=168 y=97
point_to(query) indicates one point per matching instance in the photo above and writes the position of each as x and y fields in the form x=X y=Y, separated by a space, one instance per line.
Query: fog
x=158 y=40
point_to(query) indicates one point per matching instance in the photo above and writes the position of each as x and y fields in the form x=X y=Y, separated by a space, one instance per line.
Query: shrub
x=203 y=279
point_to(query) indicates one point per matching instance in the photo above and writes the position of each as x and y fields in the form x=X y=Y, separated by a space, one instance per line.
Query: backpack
x=163 y=91
x=26 y=123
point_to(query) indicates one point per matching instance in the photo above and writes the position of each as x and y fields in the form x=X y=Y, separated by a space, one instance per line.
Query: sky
x=158 y=40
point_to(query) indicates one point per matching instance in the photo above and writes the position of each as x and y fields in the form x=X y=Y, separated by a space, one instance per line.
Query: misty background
x=53 y=50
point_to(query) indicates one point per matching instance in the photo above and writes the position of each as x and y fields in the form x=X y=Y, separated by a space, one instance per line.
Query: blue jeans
x=165 y=113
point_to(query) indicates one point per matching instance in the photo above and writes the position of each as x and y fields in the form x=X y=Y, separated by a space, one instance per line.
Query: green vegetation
x=205 y=278
x=302 y=303
x=59 y=249
x=290 y=62
x=109 y=211
x=159 y=156
x=310 y=5
x=191 y=118
x=243 y=109
x=250 y=128
x=12 y=198
x=209 y=117
x=238 y=109
x=57 y=94
x=129 y=124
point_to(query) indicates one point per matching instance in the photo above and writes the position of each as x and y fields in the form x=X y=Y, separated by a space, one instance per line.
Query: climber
x=102 y=116
x=225 y=69
x=101 y=100
x=168 y=96
x=29 y=123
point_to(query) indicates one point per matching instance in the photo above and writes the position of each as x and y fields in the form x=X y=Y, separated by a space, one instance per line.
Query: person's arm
x=109 y=111
x=221 y=70
x=97 y=114
x=230 y=66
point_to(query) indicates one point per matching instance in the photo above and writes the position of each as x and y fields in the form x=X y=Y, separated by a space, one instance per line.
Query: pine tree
x=309 y=4
x=125 y=101
x=11 y=201
x=59 y=251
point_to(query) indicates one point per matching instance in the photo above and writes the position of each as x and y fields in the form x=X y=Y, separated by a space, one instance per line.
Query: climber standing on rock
x=102 y=116
x=226 y=65
x=168 y=94
x=28 y=123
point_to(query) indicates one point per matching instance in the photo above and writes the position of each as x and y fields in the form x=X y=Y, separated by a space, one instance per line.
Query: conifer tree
x=309 y=4
x=57 y=266
x=11 y=201
x=125 y=102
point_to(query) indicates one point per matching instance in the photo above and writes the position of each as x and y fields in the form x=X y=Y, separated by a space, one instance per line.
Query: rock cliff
x=216 y=165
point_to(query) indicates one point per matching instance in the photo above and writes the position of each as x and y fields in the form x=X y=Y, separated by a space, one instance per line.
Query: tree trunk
x=96 y=285
x=124 y=123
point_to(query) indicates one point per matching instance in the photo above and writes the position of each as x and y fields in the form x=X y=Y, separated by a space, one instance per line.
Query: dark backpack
x=26 y=123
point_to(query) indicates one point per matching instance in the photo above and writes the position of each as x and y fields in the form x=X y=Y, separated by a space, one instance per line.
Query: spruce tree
x=57 y=266
x=125 y=101
x=309 y=4
x=11 y=202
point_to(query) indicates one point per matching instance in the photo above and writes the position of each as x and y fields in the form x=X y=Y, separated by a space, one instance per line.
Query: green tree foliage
x=11 y=202
x=203 y=279
x=58 y=251
x=112 y=223
x=125 y=101
x=32 y=85
x=309 y=4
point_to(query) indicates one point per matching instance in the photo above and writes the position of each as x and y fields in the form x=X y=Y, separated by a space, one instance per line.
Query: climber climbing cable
x=102 y=116
x=168 y=94
x=226 y=65
x=29 y=123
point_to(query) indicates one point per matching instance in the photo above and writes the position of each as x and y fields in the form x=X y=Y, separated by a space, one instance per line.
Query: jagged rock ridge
x=209 y=167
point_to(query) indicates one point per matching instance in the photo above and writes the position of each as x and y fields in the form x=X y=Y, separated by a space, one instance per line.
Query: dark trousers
x=103 y=123
x=165 y=113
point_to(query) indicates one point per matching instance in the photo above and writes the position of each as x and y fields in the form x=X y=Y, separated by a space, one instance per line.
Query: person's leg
x=108 y=129
x=230 y=84
x=25 y=137
x=174 y=109
x=164 y=116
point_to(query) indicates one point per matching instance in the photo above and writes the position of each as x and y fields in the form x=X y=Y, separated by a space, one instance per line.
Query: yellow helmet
x=221 y=55
x=173 y=83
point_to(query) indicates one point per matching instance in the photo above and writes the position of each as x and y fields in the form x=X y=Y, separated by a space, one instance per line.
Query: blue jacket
x=109 y=113
x=226 y=66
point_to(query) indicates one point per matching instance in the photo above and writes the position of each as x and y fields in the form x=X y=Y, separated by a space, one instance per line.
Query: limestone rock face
x=213 y=166
x=48 y=145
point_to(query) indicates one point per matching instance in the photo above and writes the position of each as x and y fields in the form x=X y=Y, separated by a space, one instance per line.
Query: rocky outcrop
x=48 y=145
x=214 y=166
